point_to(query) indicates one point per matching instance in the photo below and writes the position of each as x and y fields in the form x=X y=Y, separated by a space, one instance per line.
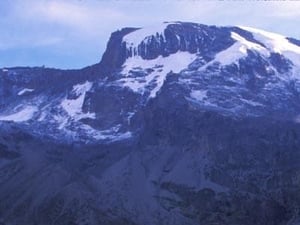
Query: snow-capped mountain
x=179 y=123
x=239 y=71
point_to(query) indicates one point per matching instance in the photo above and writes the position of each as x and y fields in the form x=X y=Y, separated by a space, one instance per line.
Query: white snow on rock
x=135 y=38
x=25 y=90
x=276 y=43
x=161 y=66
x=23 y=115
x=42 y=116
x=245 y=45
x=113 y=137
x=82 y=88
x=237 y=51
x=250 y=102
x=199 y=95
x=111 y=134
x=74 y=106
x=62 y=121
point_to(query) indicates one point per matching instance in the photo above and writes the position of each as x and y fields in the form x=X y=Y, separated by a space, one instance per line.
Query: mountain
x=179 y=123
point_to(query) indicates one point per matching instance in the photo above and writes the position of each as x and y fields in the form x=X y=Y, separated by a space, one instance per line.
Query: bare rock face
x=179 y=123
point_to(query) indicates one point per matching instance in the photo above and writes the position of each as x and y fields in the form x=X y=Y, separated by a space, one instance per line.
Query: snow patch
x=129 y=116
x=277 y=43
x=236 y=51
x=161 y=66
x=199 y=95
x=112 y=134
x=42 y=116
x=62 y=121
x=74 y=106
x=80 y=89
x=252 y=103
x=135 y=38
x=23 y=115
x=245 y=44
x=25 y=90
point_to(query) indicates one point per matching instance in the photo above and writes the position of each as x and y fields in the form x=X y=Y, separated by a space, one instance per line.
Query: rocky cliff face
x=179 y=123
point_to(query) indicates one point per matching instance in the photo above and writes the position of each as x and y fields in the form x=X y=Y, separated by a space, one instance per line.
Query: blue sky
x=73 y=33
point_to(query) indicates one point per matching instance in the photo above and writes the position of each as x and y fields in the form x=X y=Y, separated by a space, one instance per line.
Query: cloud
x=82 y=27
x=195 y=11
x=80 y=15
x=65 y=28
x=285 y=9
x=73 y=14
x=38 y=20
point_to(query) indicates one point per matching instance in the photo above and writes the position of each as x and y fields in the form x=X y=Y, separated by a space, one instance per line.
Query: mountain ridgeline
x=179 y=123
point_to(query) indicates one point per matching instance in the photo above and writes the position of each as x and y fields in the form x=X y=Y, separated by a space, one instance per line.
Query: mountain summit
x=237 y=71
x=179 y=123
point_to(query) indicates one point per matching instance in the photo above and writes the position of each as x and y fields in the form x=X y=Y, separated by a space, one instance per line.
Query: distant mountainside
x=179 y=123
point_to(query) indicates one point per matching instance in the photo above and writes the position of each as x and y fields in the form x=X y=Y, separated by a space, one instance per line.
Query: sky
x=71 y=34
